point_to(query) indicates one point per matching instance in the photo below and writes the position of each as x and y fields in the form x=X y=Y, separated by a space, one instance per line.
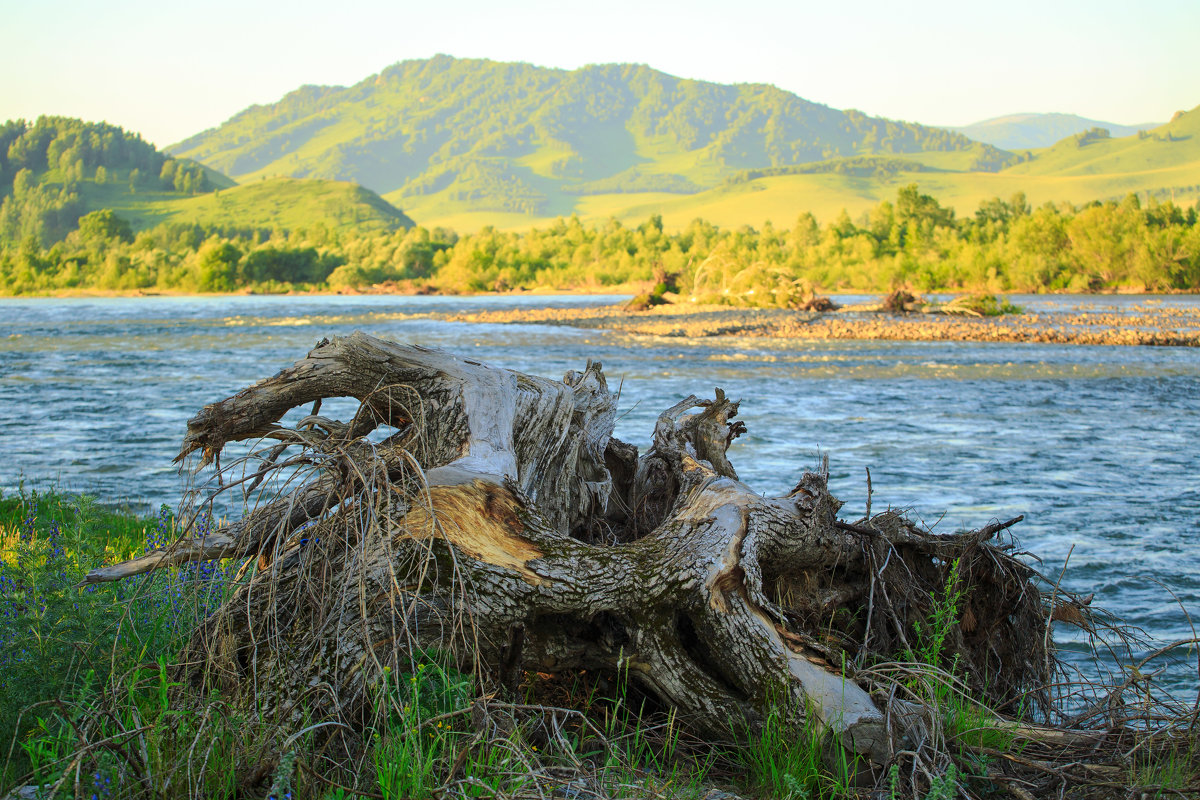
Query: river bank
x=1142 y=324
x=962 y=431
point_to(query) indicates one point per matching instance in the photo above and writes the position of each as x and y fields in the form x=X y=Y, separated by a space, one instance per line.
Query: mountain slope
x=58 y=169
x=283 y=203
x=449 y=136
x=1032 y=131
x=1170 y=147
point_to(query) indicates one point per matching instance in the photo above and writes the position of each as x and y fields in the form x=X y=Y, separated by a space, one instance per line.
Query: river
x=1099 y=447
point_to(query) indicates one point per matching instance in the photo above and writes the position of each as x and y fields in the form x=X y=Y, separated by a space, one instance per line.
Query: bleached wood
x=550 y=546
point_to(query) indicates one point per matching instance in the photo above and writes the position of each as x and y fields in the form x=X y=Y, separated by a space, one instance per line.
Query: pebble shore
x=1140 y=325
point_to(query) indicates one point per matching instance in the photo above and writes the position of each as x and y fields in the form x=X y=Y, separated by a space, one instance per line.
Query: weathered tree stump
x=501 y=522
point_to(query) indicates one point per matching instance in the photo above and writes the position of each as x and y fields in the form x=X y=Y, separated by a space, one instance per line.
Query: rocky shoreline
x=1141 y=325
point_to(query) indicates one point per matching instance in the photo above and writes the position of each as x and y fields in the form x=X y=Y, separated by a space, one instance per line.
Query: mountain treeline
x=44 y=168
x=912 y=242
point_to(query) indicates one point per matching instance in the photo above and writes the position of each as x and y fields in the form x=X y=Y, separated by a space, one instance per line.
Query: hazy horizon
x=167 y=75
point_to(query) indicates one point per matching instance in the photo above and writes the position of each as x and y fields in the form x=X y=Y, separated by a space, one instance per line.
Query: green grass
x=131 y=737
x=89 y=696
x=1167 y=147
x=285 y=203
x=288 y=203
x=88 y=691
x=786 y=763
x=782 y=199
x=59 y=641
x=1171 y=775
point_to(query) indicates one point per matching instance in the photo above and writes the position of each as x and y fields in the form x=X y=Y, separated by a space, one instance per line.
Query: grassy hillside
x=454 y=137
x=826 y=195
x=1032 y=131
x=58 y=170
x=1164 y=163
x=782 y=199
x=468 y=144
x=278 y=203
x=1167 y=147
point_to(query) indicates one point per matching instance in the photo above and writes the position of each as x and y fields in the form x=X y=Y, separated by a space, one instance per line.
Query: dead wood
x=496 y=519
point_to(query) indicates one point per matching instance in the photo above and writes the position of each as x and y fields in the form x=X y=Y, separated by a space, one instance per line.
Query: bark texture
x=499 y=520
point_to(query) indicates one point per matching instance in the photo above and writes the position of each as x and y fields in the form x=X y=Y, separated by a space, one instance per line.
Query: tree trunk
x=501 y=522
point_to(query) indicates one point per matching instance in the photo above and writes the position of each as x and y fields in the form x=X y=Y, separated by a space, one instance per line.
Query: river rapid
x=1098 y=446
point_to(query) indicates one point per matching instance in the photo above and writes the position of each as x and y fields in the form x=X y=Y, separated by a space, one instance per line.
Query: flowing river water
x=1098 y=446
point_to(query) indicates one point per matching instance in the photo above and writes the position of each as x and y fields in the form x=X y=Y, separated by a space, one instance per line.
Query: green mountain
x=449 y=137
x=58 y=169
x=1032 y=131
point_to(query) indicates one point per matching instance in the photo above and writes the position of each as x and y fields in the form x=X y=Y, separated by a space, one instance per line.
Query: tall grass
x=89 y=706
x=796 y=764
x=440 y=738
x=61 y=642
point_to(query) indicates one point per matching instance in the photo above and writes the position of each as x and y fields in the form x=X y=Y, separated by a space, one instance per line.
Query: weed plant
x=64 y=643
x=981 y=305
x=431 y=743
x=967 y=726
x=789 y=764
x=89 y=708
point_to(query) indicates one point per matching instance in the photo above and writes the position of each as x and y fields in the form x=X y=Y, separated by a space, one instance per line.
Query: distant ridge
x=467 y=135
x=1174 y=145
x=1032 y=131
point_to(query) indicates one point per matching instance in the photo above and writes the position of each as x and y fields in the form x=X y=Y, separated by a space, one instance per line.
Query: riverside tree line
x=913 y=242
x=51 y=172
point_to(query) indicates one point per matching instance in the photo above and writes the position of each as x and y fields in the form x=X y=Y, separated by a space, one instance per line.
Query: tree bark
x=501 y=522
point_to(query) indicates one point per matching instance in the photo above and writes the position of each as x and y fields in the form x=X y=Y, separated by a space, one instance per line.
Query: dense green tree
x=216 y=266
x=914 y=241
x=104 y=226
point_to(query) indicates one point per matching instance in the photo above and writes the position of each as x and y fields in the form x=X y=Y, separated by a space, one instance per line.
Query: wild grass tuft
x=789 y=763
x=62 y=643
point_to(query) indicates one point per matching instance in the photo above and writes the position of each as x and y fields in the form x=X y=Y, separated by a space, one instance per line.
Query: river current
x=1098 y=446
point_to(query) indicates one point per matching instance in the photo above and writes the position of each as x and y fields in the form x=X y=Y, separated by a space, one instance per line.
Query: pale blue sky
x=169 y=69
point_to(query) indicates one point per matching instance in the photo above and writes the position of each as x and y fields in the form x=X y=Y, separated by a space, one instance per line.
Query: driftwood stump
x=489 y=514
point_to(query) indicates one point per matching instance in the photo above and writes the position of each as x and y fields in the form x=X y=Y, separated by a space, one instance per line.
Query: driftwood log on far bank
x=481 y=512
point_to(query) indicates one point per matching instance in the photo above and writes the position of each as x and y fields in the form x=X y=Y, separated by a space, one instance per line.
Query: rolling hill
x=58 y=169
x=447 y=137
x=1033 y=131
x=1163 y=162
x=1167 y=148
x=285 y=203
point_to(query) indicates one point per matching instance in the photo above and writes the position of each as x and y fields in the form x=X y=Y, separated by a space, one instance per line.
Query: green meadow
x=279 y=203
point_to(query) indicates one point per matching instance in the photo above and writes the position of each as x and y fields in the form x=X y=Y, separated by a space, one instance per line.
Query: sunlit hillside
x=1163 y=163
x=58 y=169
x=278 y=203
x=452 y=137
x=467 y=144
x=1166 y=148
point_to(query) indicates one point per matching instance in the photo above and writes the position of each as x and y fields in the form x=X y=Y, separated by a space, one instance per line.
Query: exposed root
x=503 y=529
